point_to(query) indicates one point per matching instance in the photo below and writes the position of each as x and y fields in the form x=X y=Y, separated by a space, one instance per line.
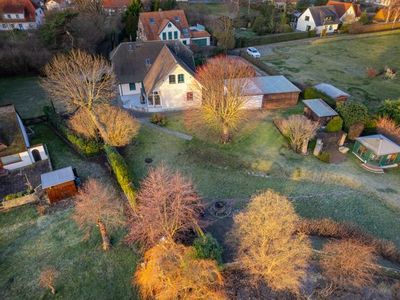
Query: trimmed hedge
x=358 y=28
x=260 y=64
x=82 y=145
x=273 y=38
x=312 y=93
x=334 y=125
x=120 y=169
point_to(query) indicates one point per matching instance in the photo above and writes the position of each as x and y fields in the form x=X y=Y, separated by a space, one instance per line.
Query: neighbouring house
x=59 y=184
x=282 y=4
x=15 y=149
x=171 y=25
x=322 y=19
x=57 y=4
x=319 y=111
x=112 y=7
x=155 y=75
x=270 y=92
x=347 y=12
x=386 y=14
x=20 y=15
x=377 y=151
x=333 y=92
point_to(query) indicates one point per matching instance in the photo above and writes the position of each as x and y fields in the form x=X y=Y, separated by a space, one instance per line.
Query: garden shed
x=318 y=110
x=332 y=92
x=377 y=150
x=59 y=184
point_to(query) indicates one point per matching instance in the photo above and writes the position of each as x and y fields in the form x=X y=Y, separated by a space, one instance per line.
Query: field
x=343 y=63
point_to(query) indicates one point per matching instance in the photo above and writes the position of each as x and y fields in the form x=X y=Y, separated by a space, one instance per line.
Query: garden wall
x=31 y=198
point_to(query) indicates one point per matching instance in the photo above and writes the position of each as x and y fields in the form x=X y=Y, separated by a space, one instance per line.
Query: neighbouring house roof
x=195 y=34
x=268 y=85
x=116 y=4
x=154 y=22
x=324 y=15
x=166 y=61
x=132 y=61
x=57 y=177
x=330 y=90
x=382 y=14
x=11 y=136
x=342 y=7
x=379 y=144
x=320 y=108
x=25 y=7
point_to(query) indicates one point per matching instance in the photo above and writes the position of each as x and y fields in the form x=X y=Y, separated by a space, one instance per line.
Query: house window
x=189 y=96
x=132 y=86
x=330 y=27
x=9 y=16
x=154 y=99
x=308 y=28
x=148 y=63
x=172 y=79
x=175 y=35
x=184 y=42
x=164 y=36
x=391 y=158
x=181 y=78
x=11 y=159
x=307 y=18
x=169 y=25
x=20 y=26
x=4 y=25
x=142 y=99
x=152 y=21
x=170 y=35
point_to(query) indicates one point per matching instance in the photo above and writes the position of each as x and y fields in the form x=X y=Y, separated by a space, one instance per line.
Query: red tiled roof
x=110 y=4
x=199 y=34
x=18 y=6
x=160 y=19
x=342 y=7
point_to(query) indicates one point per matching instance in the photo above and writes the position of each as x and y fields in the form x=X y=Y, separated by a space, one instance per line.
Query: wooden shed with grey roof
x=318 y=110
x=59 y=184
x=333 y=92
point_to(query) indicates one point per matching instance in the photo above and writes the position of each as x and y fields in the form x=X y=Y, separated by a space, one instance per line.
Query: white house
x=170 y=25
x=15 y=149
x=20 y=15
x=57 y=4
x=155 y=75
x=319 y=18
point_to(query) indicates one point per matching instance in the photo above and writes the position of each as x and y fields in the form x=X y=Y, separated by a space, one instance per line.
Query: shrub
x=312 y=93
x=335 y=124
x=353 y=113
x=372 y=72
x=325 y=157
x=159 y=119
x=389 y=128
x=207 y=247
x=391 y=109
x=389 y=73
x=272 y=38
x=16 y=195
x=120 y=169
x=364 y=19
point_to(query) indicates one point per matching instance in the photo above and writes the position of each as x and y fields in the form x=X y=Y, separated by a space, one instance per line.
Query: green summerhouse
x=377 y=150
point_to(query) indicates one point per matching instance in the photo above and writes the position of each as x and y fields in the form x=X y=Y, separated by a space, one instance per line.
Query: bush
x=391 y=109
x=353 y=113
x=325 y=157
x=334 y=125
x=312 y=93
x=120 y=169
x=16 y=195
x=207 y=247
x=272 y=38
x=159 y=119
x=372 y=72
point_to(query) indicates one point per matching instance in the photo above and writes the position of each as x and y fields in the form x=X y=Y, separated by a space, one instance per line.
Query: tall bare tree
x=97 y=204
x=82 y=124
x=224 y=31
x=168 y=206
x=92 y=6
x=267 y=245
x=171 y=271
x=222 y=82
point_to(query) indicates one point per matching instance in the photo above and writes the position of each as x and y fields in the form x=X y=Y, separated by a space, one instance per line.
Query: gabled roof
x=320 y=13
x=320 y=108
x=25 y=7
x=265 y=85
x=382 y=14
x=342 y=7
x=132 y=60
x=154 y=22
x=164 y=64
x=11 y=137
x=57 y=177
x=379 y=144
x=116 y=4
x=330 y=90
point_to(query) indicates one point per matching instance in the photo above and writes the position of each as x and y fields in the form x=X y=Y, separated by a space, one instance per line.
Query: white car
x=253 y=52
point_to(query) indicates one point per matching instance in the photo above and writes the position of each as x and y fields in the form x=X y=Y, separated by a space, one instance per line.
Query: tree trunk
x=225 y=136
x=52 y=289
x=104 y=235
x=304 y=147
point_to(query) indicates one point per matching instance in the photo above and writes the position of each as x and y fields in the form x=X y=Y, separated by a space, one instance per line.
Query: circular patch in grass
x=220 y=209
x=148 y=160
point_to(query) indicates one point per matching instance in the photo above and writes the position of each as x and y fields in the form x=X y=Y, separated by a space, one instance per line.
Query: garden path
x=179 y=135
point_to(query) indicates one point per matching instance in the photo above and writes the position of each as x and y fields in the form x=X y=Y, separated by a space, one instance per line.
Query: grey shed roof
x=132 y=60
x=379 y=144
x=324 y=15
x=330 y=90
x=320 y=108
x=57 y=177
x=269 y=85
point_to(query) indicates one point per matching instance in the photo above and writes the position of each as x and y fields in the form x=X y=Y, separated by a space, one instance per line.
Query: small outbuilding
x=318 y=110
x=377 y=150
x=59 y=184
x=332 y=91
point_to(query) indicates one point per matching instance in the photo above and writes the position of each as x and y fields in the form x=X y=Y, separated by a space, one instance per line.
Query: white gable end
x=170 y=32
x=305 y=22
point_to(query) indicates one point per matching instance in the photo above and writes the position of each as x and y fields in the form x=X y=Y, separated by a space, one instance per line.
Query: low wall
x=31 y=198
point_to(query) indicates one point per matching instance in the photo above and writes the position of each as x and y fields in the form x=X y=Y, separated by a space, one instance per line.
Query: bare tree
x=349 y=263
x=119 y=127
x=393 y=11
x=171 y=271
x=97 y=204
x=267 y=245
x=222 y=82
x=299 y=130
x=388 y=127
x=92 y=6
x=48 y=278
x=82 y=124
x=224 y=32
x=168 y=206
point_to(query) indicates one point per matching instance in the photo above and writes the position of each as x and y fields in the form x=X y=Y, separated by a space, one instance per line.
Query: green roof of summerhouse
x=379 y=144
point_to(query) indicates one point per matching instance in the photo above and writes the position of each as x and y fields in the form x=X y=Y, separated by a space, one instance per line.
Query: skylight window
x=177 y=19
x=152 y=21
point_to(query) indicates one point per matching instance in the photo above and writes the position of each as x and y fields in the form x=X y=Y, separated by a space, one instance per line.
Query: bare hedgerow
x=267 y=244
x=349 y=263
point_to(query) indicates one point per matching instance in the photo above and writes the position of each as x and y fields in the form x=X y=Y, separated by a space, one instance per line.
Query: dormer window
x=152 y=21
x=148 y=62
x=177 y=19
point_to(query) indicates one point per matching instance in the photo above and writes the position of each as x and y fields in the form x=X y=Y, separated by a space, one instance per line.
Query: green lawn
x=25 y=93
x=344 y=64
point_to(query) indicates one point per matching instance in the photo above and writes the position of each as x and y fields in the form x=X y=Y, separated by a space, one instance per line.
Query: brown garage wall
x=284 y=100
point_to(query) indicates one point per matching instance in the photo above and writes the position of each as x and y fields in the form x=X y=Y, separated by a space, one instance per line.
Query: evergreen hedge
x=335 y=124
x=272 y=38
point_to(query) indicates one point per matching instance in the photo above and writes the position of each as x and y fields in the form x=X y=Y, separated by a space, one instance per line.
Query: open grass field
x=25 y=93
x=344 y=64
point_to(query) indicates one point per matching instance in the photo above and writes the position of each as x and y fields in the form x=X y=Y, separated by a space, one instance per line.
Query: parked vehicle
x=253 y=52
